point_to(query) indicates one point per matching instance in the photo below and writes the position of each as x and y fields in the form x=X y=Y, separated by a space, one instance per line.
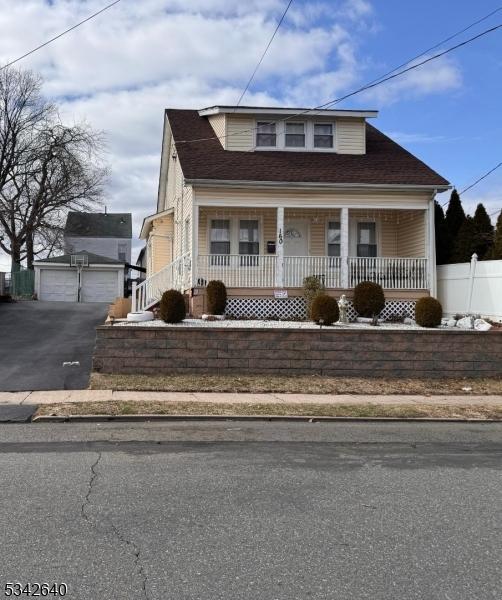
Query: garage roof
x=94 y=259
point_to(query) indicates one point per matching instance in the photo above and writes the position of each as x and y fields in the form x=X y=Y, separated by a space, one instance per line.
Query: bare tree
x=46 y=169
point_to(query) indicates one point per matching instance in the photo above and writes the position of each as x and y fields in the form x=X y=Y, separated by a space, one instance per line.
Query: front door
x=296 y=237
x=296 y=245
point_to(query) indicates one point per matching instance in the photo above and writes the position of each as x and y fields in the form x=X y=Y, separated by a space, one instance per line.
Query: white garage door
x=98 y=286
x=58 y=285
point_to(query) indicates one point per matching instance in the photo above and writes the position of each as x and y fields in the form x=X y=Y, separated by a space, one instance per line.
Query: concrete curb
x=291 y=418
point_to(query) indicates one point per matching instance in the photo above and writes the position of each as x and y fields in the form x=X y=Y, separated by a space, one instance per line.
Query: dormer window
x=323 y=135
x=265 y=135
x=295 y=135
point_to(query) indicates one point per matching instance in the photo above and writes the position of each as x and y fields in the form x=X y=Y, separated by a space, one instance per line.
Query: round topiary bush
x=428 y=312
x=172 y=307
x=326 y=308
x=369 y=299
x=216 y=297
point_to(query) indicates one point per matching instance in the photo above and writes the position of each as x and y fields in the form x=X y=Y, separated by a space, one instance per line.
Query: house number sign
x=279 y=240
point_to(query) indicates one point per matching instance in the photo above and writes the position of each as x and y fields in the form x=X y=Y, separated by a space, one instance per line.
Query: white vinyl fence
x=474 y=287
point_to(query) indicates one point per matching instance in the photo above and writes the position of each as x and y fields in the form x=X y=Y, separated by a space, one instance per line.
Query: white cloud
x=438 y=76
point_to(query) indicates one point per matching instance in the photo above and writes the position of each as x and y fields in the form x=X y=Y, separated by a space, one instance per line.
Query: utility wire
x=358 y=91
x=470 y=186
x=12 y=62
x=264 y=52
x=481 y=178
x=448 y=39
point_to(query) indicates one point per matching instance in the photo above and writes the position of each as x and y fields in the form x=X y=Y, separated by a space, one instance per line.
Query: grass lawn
x=307 y=384
x=311 y=410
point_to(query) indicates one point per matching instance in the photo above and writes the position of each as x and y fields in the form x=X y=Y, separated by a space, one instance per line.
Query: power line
x=12 y=62
x=449 y=38
x=481 y=178
x=264 y=52
x=359 y=90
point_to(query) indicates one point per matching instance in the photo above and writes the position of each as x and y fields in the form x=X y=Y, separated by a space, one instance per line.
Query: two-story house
x=105 y=234
x=261 y=198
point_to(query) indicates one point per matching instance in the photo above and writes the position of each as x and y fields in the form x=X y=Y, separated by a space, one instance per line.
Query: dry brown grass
x=116 y=408
x=307 y=384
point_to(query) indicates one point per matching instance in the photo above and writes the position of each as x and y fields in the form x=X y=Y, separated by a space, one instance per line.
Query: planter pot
x=139 y=317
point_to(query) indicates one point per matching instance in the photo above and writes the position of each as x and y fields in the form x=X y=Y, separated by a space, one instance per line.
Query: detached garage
x=82 y=277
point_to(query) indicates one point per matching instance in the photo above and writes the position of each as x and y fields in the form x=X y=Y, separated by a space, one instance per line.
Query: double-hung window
x=219 y=242
x=323 y=135
x=249 y=245
x=334 y=235
x=366 y=239
x=295 y=135
x=266 y=136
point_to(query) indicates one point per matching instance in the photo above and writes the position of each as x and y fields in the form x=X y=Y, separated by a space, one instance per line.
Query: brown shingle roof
x=385 y=162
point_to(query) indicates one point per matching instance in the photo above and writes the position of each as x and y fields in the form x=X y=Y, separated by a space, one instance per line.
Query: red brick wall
x=285 y=351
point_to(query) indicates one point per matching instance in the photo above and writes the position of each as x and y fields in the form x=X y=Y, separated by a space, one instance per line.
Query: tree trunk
x=29 y=251
x=15 y=256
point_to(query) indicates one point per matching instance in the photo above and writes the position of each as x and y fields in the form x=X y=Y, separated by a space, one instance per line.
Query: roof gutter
x=314 y=185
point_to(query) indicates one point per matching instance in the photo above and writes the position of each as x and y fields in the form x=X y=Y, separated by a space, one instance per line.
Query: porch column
x=279 y=249
x=431 y=248
x=344 y=247
x=195 y=244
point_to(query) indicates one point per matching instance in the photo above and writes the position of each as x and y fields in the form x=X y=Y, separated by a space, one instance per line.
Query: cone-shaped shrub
x=326 y=308
x=428 y=312
x=216 y=297
x=312 y=287
x=172 y=307
x=369 y=299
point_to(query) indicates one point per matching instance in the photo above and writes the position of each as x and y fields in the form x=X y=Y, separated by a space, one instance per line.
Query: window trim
x=305 y=137
x=280 y=137
x=234 y=232
x=330 y=149
x=328 y=221
x=354 y=239
x=260 y=124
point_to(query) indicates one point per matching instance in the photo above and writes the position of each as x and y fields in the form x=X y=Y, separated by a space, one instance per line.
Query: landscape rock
x=465 y=323
x=409 y=321
x=213 y=317
x=482 y=325
x=451 y=322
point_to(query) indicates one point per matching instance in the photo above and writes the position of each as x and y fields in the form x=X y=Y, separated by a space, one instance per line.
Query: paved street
x=234 y=510
x=37 y=337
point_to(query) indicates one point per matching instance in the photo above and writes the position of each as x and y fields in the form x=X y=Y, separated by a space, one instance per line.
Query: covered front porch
x=259 y=248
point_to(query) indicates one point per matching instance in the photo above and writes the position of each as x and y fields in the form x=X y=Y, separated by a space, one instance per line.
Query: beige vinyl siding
x=350 y=136
x=240 y=133
x=218 y=123
x=300 y=198
x=160 y=244
x=411 y=238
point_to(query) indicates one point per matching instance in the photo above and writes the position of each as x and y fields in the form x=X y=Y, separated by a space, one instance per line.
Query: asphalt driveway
x=37 y=337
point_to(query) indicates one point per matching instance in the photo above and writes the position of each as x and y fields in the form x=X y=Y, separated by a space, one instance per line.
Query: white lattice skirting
x=294 y=308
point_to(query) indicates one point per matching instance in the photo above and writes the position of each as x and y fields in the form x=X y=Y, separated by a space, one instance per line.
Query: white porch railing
x=237 y=270
x=390 y=273
x=326 y=268
x=175 y=275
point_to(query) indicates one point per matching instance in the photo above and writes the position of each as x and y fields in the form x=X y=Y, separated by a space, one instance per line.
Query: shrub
x=216 y=297
x=326 y=308
x=312 y=287
x=369 y=299
x=172 y=307
x=428 y=312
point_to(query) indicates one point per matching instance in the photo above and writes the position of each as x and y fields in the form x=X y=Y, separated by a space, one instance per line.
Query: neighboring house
x=141 y=263
x=260 y=198
x=104 y=234
x=80 y=277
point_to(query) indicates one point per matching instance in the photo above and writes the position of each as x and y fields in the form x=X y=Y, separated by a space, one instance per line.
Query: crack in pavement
x=114 y=529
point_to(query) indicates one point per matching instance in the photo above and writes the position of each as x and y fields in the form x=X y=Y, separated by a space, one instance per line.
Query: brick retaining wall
x=369 y=352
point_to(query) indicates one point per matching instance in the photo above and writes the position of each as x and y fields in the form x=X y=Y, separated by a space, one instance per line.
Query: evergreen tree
x=483 y=233
x=455 y=215
x=443 y=238
x=496 y=253
x=465 y=242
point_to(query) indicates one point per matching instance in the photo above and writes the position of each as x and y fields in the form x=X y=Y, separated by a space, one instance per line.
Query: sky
x=120 y=71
